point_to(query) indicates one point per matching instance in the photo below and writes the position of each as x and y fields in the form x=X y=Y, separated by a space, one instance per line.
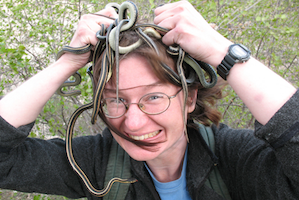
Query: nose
x=135 y=119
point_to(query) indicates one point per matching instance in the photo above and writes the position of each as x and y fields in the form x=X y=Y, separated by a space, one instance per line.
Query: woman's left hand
x=263 y=91
x=192 y=32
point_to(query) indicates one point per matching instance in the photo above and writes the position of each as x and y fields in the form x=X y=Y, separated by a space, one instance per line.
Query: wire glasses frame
x=152 y=104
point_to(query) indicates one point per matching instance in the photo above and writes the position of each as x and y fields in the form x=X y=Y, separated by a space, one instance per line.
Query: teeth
x=143 y=137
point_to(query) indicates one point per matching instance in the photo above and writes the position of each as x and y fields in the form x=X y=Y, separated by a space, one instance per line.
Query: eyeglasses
x=152 y=104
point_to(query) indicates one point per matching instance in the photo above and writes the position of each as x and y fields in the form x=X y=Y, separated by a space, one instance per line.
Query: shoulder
x=101 y=141
x=230 y=138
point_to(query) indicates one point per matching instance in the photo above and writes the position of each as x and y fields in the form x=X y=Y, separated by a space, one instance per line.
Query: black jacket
x=254 y=165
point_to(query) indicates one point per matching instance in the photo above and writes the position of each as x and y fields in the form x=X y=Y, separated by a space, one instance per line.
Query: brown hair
x=205 y=111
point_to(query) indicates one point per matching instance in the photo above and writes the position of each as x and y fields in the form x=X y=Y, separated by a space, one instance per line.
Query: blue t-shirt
x=175 y=189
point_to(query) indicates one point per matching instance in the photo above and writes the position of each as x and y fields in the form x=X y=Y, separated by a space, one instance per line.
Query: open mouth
x=146 y=136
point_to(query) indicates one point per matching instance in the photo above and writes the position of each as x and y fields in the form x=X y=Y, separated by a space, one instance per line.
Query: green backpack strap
x=118 y=166
x=214 y=180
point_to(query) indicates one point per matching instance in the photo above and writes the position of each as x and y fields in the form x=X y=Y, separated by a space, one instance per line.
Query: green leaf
x=283 y=16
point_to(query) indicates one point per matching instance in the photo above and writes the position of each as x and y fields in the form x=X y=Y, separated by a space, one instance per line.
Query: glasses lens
x=154 y=103
x=113 y=107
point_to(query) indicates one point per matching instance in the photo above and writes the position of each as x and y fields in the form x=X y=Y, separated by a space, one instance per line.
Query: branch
x=239 y=13
x=259 y=47
x=79 y=10
x=289 y=66
x=226 y=109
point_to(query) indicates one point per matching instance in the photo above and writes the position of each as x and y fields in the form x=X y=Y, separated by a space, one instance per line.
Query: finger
x=89 y=25
x=162 y=8
x=105 y=16
x=169 y=22
x=169 y=38
x=169 y=10
x=162 y=12
x=84 y=35
x=109 y=12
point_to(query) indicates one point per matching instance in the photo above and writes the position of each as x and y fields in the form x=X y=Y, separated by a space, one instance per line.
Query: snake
x=108 y=47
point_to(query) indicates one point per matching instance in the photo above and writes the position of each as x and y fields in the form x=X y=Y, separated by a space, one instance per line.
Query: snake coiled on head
x=108 y=47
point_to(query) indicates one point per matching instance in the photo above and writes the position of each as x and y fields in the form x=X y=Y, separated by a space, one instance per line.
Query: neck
x=168 y=166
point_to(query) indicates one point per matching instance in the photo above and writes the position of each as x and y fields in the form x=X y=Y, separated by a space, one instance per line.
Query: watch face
x=239 y=52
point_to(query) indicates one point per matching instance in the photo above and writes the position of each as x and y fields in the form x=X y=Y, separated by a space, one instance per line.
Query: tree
x=32 y=32
x=269 y=29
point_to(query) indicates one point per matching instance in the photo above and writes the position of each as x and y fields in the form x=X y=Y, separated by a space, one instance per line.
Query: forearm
x=34 y=165
x=23 y=105
x=263 y=91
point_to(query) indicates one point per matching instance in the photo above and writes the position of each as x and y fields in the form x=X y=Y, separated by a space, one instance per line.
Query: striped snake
x=108 y=46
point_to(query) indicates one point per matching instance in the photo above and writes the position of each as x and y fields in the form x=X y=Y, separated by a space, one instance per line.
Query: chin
x=143 y=156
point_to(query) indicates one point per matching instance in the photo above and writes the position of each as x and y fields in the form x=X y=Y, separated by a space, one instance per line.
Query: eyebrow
x=156 y=84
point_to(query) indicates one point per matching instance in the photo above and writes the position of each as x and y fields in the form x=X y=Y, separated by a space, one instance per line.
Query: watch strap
x=231 y=59
x=226 y=64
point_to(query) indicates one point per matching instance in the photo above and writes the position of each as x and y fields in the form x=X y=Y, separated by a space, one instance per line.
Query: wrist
x=72 y=62
x=65 y=67
x=221 y=48
x=237 y=53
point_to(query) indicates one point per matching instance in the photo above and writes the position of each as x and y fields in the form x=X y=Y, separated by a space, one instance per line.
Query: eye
x=114 y=100
x=153 y=98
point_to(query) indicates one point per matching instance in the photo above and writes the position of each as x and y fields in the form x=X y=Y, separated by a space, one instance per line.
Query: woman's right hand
x=85 y=34
x=24 y=104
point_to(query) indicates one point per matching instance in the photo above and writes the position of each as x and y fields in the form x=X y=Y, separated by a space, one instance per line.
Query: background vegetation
x=33 y=31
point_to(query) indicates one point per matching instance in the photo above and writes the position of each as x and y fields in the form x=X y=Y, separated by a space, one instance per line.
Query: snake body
x=108 y=46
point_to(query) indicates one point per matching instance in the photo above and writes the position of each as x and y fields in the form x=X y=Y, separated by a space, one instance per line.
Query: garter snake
x=108 y=47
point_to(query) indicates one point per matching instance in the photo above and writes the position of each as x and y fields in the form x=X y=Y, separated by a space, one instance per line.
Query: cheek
x=115 y=122
x=179 y=104
x=173 y=116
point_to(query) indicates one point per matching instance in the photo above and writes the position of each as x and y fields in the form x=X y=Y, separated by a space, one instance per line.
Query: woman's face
x=136 y=79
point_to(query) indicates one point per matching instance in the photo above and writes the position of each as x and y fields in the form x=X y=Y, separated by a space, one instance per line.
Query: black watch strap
x=226 y=64
x=237 y=53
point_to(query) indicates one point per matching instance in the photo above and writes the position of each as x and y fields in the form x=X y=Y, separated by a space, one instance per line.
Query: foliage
x=32 y=32
x=269 y=29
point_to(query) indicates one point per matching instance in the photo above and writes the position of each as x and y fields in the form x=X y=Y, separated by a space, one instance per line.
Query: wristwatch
x=237 y=53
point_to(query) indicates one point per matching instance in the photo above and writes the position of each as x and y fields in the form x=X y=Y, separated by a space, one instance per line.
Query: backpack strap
x=118 y=166
x=214 y=180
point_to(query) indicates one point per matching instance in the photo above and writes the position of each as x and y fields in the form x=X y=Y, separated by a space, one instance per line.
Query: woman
x=249 y=166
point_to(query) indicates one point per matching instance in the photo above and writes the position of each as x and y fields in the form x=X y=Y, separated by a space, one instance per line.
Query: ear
x=191 y=100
